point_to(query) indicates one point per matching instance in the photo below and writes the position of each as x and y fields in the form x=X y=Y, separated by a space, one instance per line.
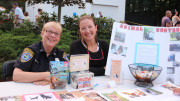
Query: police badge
x=27 y=55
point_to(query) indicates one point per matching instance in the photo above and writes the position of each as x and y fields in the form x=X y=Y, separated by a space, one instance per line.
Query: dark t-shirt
x=165 y=20
x=34 y=58
x=98 y=59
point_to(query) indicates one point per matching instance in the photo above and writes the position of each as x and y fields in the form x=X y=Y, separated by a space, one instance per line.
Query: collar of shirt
x=97 y=45
x=53 y=52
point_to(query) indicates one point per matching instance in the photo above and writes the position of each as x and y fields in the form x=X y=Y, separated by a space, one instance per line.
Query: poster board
x=166 y=49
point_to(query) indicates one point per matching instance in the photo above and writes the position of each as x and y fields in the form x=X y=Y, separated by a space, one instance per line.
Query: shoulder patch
x=27 y=55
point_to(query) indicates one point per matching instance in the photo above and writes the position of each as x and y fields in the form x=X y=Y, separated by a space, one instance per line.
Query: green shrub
x=22 y=30
x=12 y=46
x=104 y=27
x=66 y=40
x=71 y=23
x=13 y=42
x=6 y=21
x=1 y=32
x=44 y=19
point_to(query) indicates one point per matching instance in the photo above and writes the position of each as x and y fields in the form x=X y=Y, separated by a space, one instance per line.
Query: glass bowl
x=144 y=73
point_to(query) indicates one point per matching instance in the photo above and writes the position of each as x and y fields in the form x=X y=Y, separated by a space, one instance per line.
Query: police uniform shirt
x=34 y=58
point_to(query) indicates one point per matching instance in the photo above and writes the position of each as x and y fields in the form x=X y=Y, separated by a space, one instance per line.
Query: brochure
x=71 y=96
x=133 y=93
x=10 y=98
x=79 y=62
x=116 y=70
x=169 y=85
x=49 y=96
x=93 y=95
x=152 y=91
x=114 y=96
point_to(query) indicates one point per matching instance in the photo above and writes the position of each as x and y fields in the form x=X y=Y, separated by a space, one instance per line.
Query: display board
x=146 y=44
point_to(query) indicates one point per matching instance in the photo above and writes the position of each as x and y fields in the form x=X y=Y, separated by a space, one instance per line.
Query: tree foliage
x=149 y=12
x=81 y=3
x=8 y=3
x=59 y=3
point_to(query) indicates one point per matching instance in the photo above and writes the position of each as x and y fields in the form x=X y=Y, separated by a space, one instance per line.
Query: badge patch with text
x=27 y=55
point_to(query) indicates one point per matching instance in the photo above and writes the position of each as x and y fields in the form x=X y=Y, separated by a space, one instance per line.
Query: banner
x=146 y=44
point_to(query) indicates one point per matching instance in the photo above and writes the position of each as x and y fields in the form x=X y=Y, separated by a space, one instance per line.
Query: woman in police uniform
x=33 y=64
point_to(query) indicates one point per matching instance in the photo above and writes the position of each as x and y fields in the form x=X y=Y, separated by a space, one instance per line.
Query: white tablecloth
x=15 y=89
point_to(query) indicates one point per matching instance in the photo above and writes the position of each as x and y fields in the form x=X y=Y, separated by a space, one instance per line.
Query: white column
x=121 y=10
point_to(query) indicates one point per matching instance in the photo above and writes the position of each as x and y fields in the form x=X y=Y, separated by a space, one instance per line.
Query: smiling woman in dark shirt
x=89 y=44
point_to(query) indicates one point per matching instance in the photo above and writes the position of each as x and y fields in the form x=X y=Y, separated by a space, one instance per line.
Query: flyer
x=79 y=62
x=114 y=96
x=49 y=96
x=116 y=70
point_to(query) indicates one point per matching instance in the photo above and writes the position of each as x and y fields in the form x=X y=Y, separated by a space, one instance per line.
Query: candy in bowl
x=144 y=73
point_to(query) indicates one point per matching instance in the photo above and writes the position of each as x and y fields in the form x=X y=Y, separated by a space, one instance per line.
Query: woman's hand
x=44 y=82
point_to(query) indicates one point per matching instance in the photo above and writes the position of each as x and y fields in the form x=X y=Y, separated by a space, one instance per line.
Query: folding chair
x=8 y=69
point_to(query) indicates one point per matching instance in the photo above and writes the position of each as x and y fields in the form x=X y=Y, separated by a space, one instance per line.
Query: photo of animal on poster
x=118 y=49
x=175 y=36
x=119 y=36
x=174 y=59
x=175 y=47
x=149 y=33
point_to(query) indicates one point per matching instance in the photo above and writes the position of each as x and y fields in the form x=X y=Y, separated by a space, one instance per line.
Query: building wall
x=107 y=10
x=121 y=10
x=110 y=8
x=33 y=10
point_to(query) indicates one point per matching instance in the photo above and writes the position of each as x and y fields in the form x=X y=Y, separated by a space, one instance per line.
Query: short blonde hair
x=53 y=24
